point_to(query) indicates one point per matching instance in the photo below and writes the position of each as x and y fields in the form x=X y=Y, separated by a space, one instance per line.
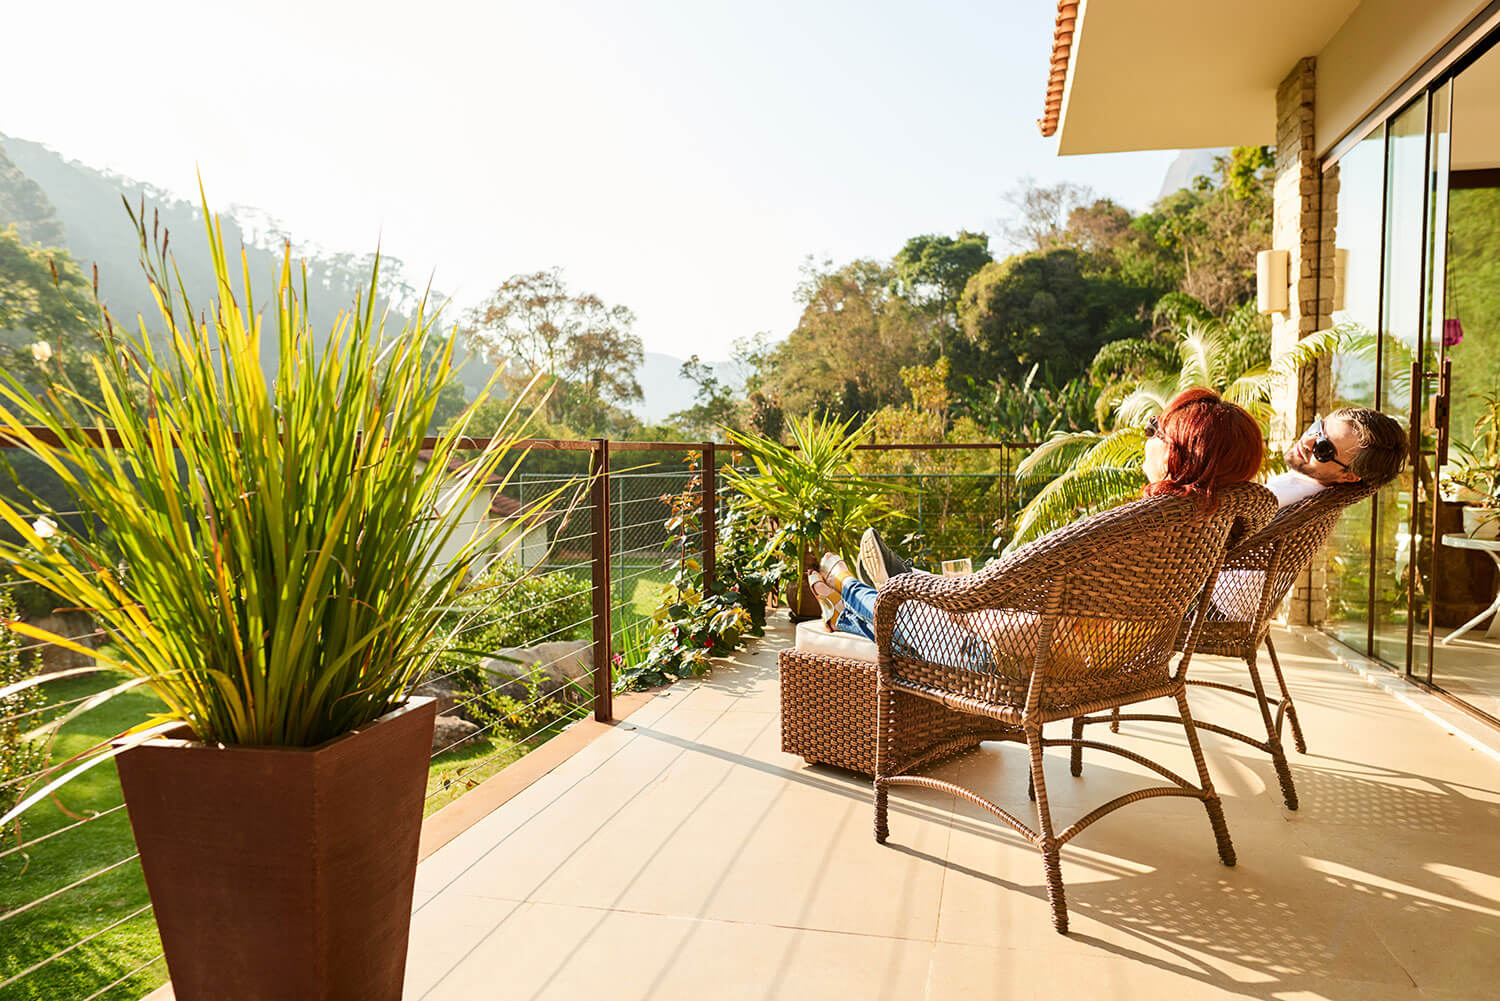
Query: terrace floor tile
x=684 y=855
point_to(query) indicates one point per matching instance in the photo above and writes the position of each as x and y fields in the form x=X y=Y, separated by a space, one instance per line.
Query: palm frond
x=1074 y=494
x=1146 y=400
x=1315 y=346
x=1123 y=448
x=1056 y=455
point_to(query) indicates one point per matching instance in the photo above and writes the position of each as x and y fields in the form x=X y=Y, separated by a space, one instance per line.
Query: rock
x=76 y=626
x=549 y=665
x=452 y=732
x=445 y=690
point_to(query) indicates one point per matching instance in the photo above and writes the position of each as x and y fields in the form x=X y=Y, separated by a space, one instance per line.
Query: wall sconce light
x=1271 y=280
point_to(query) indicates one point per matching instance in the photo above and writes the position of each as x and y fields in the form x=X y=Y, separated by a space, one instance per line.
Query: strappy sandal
x=829 y=600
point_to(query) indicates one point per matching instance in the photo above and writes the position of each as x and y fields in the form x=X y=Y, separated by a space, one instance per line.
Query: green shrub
x=517 y=606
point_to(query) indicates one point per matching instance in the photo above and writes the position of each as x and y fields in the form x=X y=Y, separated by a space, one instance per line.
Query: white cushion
x=813 y=638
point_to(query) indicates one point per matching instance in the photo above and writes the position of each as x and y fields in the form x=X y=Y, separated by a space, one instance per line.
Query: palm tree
x=1089 y=471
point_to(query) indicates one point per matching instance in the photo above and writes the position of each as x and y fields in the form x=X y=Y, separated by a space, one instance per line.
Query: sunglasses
x=1153 y=427
x=1322 y=449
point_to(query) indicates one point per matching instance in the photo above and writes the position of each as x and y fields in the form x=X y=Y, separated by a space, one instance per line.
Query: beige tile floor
x=683 y=855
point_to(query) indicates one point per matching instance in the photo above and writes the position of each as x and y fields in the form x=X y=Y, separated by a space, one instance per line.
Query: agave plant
x=1090 y=471
x=810 y=489
x=265 y=559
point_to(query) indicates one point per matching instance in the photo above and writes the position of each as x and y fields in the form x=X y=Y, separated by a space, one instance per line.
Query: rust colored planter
x=283 y=873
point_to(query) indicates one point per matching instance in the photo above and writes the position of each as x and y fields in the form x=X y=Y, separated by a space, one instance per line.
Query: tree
x=931 y=272
x=854 y=337
x=525 y=323
x=24 y=205
x=714 y=404
x=602 y=354
x=584 y=348
x=1042 y=213
x=1046 y=309
x=1215 y=228
x=43 y=294
x=766 y=416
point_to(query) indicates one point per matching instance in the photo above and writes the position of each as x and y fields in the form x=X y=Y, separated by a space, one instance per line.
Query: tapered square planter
x=283 y=874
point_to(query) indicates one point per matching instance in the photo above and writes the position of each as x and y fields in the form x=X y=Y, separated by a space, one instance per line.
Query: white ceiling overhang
x=1182 y=74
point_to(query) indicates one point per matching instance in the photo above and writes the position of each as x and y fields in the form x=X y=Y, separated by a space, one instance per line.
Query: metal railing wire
x=74 y=912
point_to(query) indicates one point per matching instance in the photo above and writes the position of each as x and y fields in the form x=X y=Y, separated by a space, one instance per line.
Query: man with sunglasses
x=1351 y=445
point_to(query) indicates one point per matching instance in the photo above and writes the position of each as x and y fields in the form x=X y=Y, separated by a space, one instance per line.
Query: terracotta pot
x=800 y=602
x=279 y=873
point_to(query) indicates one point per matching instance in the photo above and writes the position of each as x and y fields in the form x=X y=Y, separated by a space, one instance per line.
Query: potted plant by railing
x=812 y=492
x=266 y=560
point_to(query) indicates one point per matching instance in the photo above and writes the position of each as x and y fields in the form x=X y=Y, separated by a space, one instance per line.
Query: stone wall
x=1299 y=227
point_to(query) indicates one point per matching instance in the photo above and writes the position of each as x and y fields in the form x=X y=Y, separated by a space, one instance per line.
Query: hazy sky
x=682 y=157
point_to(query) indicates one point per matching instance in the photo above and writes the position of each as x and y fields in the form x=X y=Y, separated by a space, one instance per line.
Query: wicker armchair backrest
x=1091 y=607
x=1259 y=571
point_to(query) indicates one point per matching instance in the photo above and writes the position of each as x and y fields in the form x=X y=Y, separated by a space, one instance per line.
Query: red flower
x=708 y=642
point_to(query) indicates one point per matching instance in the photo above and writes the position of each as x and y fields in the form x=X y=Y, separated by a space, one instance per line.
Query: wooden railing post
x=599 y=511
x=708 y=492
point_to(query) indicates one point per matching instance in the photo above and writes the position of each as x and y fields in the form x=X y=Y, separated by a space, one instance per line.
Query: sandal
x=835 y=571
x=829 y=600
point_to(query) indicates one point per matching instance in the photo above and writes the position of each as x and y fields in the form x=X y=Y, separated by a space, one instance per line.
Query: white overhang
x=1182 y=74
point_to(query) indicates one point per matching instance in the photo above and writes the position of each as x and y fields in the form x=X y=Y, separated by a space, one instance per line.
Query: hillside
x=62 y=202
x=92 y=224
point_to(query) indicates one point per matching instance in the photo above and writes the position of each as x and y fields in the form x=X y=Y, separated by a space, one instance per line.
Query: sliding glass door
x=1415 y=213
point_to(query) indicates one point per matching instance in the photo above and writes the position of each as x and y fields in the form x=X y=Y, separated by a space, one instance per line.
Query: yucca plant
x=810 y=488
x=1089 y=471
x=264 y=558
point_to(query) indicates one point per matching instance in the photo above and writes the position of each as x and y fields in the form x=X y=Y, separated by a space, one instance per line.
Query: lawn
x=84 y=910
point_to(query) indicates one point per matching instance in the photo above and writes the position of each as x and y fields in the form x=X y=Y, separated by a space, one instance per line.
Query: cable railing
x=531 y=656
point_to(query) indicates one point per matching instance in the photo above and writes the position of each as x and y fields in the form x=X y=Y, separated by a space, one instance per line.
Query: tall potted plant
x=813 y=493
x=266 y=559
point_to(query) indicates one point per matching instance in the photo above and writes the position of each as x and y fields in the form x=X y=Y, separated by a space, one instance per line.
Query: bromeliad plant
x=811 y=490
x=274 y=570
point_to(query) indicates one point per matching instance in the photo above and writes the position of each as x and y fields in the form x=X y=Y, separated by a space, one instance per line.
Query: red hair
x=1210 y=442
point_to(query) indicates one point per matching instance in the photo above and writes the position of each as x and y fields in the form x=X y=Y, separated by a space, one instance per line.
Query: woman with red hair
x=1199 y=444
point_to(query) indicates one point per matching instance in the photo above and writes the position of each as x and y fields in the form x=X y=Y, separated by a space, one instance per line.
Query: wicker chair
x=1257 y=574
x=1078 y=622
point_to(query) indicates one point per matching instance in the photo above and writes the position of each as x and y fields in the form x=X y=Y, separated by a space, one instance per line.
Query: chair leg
x=1114 y=720
x=1273 y=739
x=1210 y=797
x=1075 y=762
x=884 y=725
x=1051 y=851
x=1286 y=699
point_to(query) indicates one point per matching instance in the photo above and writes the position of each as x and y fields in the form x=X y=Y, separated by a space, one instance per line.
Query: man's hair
x=1382 y=445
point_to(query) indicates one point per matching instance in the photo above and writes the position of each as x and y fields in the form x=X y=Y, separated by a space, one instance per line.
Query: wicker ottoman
x=828 y=708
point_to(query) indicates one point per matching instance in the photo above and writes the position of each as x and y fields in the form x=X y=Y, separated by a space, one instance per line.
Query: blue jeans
x=858 y=616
